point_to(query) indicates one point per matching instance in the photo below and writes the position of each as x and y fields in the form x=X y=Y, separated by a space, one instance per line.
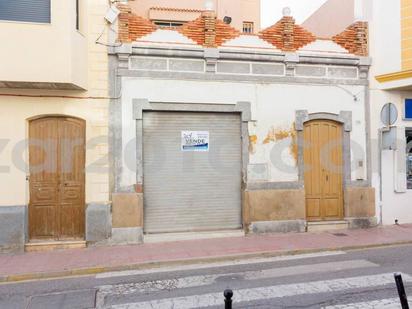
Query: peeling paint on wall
x=252 y=144
x=275 y=135
x=293 y=148
x=278 y=134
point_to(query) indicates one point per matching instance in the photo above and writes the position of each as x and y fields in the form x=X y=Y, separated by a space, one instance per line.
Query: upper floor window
x=248 y=27
x=33 y=11
x=167 y=24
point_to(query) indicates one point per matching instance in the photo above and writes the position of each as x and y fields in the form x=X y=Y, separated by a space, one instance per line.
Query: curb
x=157 y=264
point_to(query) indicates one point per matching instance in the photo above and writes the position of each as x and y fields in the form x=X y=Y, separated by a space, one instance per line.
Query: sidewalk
x=37 y=265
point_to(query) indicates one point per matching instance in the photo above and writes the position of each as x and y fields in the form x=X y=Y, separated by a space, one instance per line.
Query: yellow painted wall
x=15 y=110
x=14 y=129
x=44 y=52
x=406 y=24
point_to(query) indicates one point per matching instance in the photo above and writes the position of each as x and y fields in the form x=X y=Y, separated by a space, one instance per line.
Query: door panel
x=313 y=208
x=44 y=180
x=72 y=164
x=331 y=208
x=323 y=170
x=57 y=158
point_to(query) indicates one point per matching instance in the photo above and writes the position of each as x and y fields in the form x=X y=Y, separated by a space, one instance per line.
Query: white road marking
x=203 y=280
x=217 y=264
x=271 y=292
x=390 y=303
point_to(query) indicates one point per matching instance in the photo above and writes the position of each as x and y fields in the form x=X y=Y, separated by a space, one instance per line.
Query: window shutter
x=36 y=11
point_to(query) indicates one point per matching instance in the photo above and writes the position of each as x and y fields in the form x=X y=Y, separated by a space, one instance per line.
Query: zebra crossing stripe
x=204 y=280
x=270 y=292
x=218 y=264
x=389 y=303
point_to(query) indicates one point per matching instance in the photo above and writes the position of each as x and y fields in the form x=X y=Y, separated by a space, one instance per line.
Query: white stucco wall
x=394 y=205
x=273 y=106
x=385 y=50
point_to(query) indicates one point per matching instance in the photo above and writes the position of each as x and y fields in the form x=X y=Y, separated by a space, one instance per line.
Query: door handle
x=327 y=177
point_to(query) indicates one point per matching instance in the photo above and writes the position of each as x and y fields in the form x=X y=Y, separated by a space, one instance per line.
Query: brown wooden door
x=323 y=170
x=57 y=160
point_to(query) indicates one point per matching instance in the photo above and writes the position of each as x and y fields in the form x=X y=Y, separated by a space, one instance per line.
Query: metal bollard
x=401 y=291
x=228 y=294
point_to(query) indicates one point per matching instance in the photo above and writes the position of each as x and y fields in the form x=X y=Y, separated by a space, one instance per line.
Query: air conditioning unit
x=112 y=14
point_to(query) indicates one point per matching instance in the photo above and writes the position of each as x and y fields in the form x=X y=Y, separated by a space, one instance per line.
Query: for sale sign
x=195 y=141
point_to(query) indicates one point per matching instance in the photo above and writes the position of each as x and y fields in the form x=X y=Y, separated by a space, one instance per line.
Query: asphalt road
x=355 y=279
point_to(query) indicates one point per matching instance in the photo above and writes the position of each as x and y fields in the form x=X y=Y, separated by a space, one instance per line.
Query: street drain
x=340 y=234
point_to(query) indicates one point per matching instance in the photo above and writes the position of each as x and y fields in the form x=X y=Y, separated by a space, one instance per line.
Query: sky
x=301 y=9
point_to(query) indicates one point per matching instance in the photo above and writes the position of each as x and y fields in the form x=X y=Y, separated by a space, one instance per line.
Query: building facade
x=244 y=15
x=125 y=127
x=390 y=86
x=217 y=129
x=53 y=128
x=331 y=18
x=391 y=82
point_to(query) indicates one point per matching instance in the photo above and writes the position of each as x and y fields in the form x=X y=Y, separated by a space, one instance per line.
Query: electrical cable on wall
x=106 y=44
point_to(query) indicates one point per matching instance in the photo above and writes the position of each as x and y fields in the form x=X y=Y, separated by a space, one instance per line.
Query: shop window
x=35 y=11
x=409 y=158
x=248 y=27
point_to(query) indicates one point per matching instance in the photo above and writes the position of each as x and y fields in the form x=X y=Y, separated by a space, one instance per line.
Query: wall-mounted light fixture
x=209 y=5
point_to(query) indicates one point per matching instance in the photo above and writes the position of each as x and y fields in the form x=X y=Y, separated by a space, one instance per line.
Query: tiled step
x=169 y=237
x=53 y=245
x=322 y=226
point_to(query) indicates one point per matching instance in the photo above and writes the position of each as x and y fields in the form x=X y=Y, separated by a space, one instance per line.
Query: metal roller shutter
x=191 y=191
x=37 y=11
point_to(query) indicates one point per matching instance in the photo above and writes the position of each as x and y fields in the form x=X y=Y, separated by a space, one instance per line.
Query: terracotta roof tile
x=206 y=26
x=194 y=30
x=209 y=31
x=354 y=39
x=159 y=8
x=131 y=26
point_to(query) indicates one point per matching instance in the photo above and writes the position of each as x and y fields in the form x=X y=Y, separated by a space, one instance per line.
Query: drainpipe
x=380 y=146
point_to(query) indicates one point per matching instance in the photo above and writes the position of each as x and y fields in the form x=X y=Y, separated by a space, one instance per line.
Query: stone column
x=288 y=35
x=209 y=18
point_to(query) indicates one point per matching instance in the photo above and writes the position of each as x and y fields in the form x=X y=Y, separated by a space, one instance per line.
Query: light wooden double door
x=323 y=163
x=57 y=178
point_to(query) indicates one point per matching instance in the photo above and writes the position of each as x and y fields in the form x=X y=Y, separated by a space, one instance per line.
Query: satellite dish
x=227 y=20
x=389 y=114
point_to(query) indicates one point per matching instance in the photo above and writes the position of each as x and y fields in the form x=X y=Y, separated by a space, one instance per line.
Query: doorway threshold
x=325 y=226
x=180 y=236
x=50 y=245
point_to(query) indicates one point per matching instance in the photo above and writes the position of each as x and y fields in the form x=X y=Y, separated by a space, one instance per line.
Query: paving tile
x=189 y=249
